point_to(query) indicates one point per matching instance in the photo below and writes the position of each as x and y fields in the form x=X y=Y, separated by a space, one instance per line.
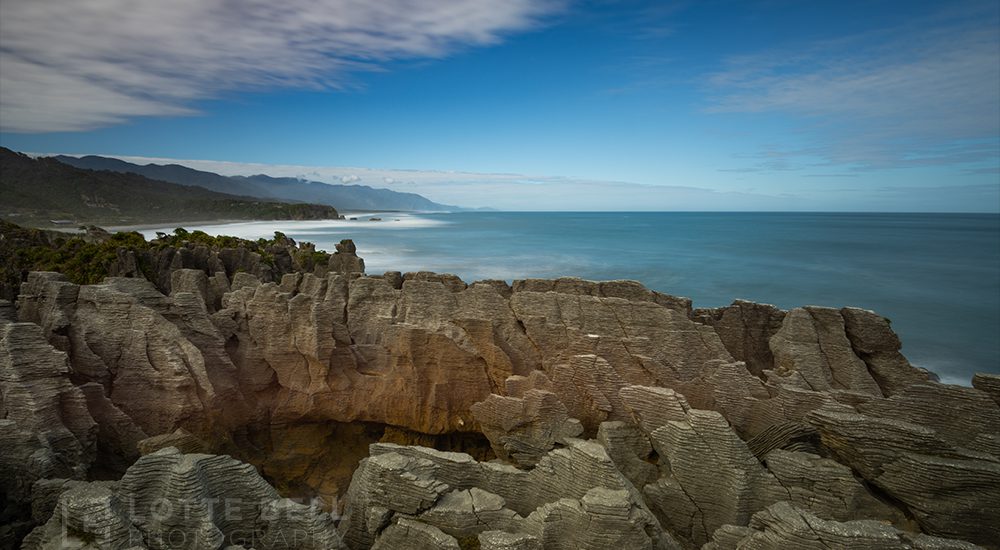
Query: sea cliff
x=416 y=410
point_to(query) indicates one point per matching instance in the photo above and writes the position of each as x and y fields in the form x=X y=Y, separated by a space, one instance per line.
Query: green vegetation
x=81 y=261
x=87 y=258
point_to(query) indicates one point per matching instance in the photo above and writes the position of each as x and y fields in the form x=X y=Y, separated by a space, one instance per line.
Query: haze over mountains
x=36 y=191
x=343 y=197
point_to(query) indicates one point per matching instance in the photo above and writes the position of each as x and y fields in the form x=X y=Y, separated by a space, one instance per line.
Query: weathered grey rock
x=345 y=259
x=45 y=427
x=952 y=491
x=653 y=407
x=829 y=489
x=45 y=495
x=284 y=524
x=812 y=344
x=783 y=525
x=745 y=328
x=522 y=430
x=790 y=436
x=195 y=488
x=788 y=404
x=244 y=280
x=730 y=389
x=48 y=300
x=385 y=484
x=88 y=515
x=409 y=534
x=172 y=500
x=194 y=281
x=218 y=286
x=630 y=450
x=957 y=414
x=710 y=477
x=644 y=343
x=602 y=519
x=465 y=513
x=118 y=436
x=281 y=371
x=629 y=290
x=8 y=313
x=949 y=497
x=989 y=383
x=878 y=346
x=180 y=439
x=568 y=473
x=501 y=540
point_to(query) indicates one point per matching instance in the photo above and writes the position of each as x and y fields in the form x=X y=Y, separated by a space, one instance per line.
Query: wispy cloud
x=70 y=66
x=927 y=93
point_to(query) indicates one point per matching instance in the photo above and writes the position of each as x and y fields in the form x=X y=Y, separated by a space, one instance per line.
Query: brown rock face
x=621 y=417
x=812 y=350
x=745 y=328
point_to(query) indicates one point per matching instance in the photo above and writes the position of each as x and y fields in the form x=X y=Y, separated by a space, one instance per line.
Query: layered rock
x=45 y=427
x=784 y=525
x=746 y=328
x=620 y=417
x=812 y=350
x=574 y=498
x=523 y=429
x=171 y=500
x=924 y=449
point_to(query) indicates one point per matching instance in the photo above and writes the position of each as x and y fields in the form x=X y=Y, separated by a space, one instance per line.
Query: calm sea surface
x=936 y=276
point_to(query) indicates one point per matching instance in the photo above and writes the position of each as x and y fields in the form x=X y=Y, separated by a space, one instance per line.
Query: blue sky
x=714 y=105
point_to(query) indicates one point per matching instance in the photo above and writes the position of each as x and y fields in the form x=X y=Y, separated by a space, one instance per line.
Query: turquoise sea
x=936 y=276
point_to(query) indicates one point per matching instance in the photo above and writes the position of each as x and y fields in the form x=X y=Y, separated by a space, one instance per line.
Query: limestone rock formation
x=8 y=313
x=784 y=525
x=346 y=259
x=573 y=498
x=828 y=489
x=746 y=328
x=712 y=478
x=171 y=500
x=618 y=416
x=523 y=429
x=989 y=383
x=45 y=427
x=878 y=346
x=812 y=350
x=404 y=533
x=952 y=490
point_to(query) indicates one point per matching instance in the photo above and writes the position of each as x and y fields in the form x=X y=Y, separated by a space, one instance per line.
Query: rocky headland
x=220 y=396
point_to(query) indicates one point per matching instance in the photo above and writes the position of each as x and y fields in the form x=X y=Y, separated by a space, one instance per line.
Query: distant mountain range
x=344 y=197
x=36 y=191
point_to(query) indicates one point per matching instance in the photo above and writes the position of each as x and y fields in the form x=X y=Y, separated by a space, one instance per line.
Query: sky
x=529 y=104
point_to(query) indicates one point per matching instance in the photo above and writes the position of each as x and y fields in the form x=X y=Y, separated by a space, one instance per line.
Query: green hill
x=37 y=191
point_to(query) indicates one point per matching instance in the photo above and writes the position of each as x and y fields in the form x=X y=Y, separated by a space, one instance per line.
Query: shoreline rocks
x=594 y=415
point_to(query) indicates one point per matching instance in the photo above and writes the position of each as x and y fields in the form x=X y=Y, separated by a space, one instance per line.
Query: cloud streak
x=918 y=95
x=74 y=66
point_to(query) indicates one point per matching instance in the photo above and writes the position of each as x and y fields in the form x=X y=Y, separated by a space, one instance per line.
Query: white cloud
x=927 y=93
x=79 y=65
x=350 y=179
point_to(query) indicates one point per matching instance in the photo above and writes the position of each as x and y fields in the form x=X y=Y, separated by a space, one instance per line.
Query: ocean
x=935 y=276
